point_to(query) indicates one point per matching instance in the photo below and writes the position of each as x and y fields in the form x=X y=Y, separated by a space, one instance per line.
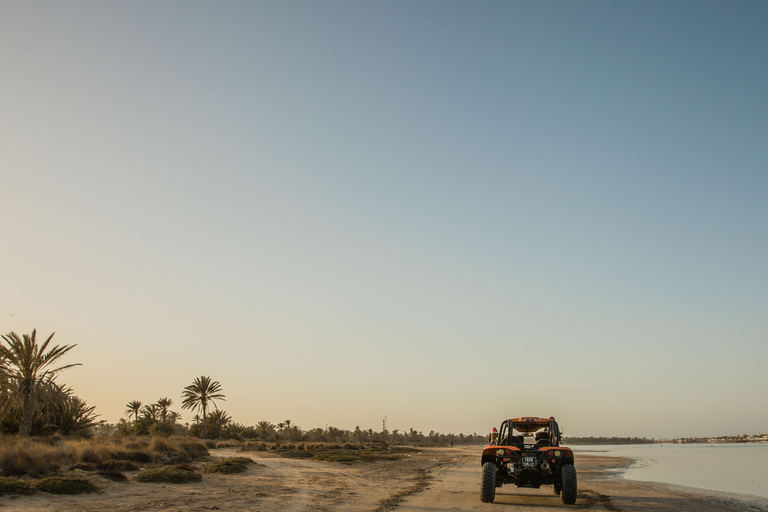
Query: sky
x=445 y=213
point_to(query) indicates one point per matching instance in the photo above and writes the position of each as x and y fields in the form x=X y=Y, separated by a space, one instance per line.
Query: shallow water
x=730 y=468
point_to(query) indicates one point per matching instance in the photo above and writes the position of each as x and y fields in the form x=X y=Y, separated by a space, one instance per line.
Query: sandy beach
x=433 y=479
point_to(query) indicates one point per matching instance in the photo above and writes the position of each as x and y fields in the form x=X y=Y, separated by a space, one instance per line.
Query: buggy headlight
x=500 y=452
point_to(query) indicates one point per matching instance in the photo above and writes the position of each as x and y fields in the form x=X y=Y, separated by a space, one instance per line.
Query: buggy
x=526 y=452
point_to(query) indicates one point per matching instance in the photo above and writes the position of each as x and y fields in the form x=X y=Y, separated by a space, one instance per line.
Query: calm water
x=728 y=468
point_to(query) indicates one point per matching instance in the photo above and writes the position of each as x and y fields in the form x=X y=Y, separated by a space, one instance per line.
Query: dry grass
x=43 y=457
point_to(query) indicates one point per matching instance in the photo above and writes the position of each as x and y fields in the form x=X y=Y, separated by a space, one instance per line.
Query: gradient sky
x=447 y=213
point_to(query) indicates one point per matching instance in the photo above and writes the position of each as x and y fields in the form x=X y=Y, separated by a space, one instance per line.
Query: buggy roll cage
x=528 y=425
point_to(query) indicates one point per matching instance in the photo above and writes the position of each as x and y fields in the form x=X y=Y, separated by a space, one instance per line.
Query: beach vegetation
x=230 y=465
x=10 y=485
x=65 y=485
x=179 y=474
x=41 y=457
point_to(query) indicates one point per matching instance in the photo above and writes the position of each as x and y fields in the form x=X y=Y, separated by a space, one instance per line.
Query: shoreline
x=603 y=480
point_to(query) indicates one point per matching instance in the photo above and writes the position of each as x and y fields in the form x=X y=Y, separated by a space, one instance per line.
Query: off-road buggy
x=526 y=452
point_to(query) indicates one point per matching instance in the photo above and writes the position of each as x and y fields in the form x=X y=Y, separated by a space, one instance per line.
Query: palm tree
x=164 y=404
x=217 y=420
x=198 y=394
x=265 y=430
x=133 y=407
x=27 y=373
x=151 y=412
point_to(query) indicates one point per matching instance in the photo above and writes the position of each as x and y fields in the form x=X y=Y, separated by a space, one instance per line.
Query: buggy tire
x=488 y=483
x=569 y=484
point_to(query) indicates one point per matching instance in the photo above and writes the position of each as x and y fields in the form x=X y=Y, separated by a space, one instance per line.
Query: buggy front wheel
x=488 y=483
x=569 y=484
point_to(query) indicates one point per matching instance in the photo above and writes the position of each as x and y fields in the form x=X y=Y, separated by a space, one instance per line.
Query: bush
x=63 y=485
x=170 y=475
x=230 y=443
x=133 y=456
x=161 y=445
x=162 y=429
x=138 y=445
x=231 y=465
x=14 y=486
x=24 y=457
x=117 y=465
x=195 y=449
x=251 y=446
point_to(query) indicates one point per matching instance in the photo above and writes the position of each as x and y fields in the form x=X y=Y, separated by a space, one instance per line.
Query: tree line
x=33 y=402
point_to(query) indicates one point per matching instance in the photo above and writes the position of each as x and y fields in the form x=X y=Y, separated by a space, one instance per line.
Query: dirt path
x=445 y=479
x=456 y=487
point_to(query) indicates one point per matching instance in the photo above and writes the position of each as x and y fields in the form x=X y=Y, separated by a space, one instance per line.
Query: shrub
x=64 y=485
x=24 y=457
x=88 y=454
x=195 y=449
x=162 y=429
x=133 y=456
x=117 y=465
x=137 y=445
x=171 y=475
x=231 y=465
x=251 y=446
x=161 y=445
x=14 y=486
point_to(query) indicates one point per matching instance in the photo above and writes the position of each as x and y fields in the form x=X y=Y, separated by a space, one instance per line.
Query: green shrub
x=170 y=475
x=65 y=485
x=231 y=465
x=14 y=486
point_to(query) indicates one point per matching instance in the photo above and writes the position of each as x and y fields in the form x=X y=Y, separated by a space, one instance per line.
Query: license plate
x=529 y=462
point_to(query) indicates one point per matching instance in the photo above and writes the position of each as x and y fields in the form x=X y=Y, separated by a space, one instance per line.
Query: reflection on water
x=730 y=468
